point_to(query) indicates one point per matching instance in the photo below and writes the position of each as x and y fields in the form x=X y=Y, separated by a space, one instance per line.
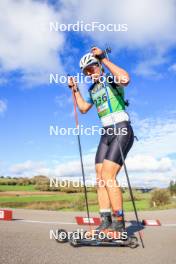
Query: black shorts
x=109 y=143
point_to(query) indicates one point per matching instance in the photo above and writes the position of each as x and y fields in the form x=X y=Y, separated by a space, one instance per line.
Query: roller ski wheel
x=133 y=242
x=62 y=236
x=73 y=241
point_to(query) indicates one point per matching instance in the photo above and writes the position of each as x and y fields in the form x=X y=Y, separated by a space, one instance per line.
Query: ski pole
x=131 y=193
x=126 y=171
x=80 y=154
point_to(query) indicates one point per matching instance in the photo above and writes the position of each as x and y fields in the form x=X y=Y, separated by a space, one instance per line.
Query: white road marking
x=168 y=225
x=74 y=223
x=44 y=222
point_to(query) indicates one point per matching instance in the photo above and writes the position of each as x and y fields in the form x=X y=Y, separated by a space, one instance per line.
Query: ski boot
x=117 y=227
x=106 y=221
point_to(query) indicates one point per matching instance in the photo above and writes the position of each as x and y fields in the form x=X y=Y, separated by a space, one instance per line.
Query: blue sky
x=29 y=104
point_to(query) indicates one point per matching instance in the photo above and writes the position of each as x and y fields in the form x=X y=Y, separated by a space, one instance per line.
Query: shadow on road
x=134 y=227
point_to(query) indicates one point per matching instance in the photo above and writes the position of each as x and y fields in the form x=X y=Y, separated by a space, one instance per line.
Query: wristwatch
x=101 y=56
x=76 y=89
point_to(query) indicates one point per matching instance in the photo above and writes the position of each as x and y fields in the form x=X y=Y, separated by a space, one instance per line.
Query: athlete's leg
x=104 y=202
x=111 y=166
x=110 y=170
x=113 y=162
x=103 y=197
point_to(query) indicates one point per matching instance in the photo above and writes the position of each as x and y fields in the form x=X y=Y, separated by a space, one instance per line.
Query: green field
x=39 y=198
x=27 y=197
x=58 y=201
x=17 y=188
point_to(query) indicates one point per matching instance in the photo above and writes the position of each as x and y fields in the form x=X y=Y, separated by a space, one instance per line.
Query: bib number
x=100 y=100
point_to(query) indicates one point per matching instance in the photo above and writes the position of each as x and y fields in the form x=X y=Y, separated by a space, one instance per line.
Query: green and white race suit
x=109 y=111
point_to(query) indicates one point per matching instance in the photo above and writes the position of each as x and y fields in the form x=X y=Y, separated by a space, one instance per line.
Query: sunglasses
x=90 y=69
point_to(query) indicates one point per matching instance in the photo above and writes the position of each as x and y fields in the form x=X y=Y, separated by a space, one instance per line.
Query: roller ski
x=77 y=239
x=108 y=233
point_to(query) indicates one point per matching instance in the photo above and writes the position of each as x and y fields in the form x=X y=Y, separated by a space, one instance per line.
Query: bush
x=70 y=187
x=42 y=187
x=172 y=188
x=136 y=198
x=79 y=204
x=23 y=181
x=92 y=189
x=39 y=179
x=159 y=197
x=7 y=182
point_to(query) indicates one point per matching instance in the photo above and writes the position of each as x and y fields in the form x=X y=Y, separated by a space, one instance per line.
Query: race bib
x=102 y=107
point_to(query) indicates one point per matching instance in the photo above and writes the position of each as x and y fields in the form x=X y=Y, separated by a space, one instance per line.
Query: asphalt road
x=26 y=240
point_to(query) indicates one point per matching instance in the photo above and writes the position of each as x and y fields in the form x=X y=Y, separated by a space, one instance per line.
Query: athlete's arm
x=121 y=76
x=81 y=103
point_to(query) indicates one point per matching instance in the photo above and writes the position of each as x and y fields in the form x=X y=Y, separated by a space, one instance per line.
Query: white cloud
x=143 y=170
x=28 y=45
x=172 y=68
x=29 y=168
x=148 y=162
x=145 y=163
x=148 y=67
x=3 y=106
x=146 y=19
x=156 y=136
x=151 y=27
x=73 y=168
x=151 y=161
x=26 y=42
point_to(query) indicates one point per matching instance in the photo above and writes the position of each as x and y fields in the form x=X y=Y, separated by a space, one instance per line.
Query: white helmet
x=87 y=60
